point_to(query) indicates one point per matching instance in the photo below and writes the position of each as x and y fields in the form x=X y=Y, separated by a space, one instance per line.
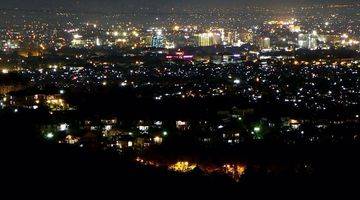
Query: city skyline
x=180 y=95
x=113 y=5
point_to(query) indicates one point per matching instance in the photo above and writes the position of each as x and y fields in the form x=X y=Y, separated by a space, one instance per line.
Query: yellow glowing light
x=42 y=47
x=235 y=170
x=136 y=34
x=158 y=140
x=182 y=166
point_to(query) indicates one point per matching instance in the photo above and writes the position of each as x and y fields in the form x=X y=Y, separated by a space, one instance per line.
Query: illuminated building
x=313 y=40
x=158 y=140
x=265 y=43
x=182 y=125
x=77 y=41
x=157 y=40
x=302 y=41
x=169 y=45
x=9 y=45
x=295 y=28
x=309 y=41
x=205 y=39
x=97 y=42
x=218 y=36
x=179 y=55
x=231 y=39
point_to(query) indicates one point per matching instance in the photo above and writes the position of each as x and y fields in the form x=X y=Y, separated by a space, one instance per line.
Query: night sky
x=154 y=4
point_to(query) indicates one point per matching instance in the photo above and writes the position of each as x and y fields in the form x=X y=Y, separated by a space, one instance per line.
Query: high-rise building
x=303 y=41
x=205 y=39
x=265 y=43
x=308 y=41
x=157 y=40
x=313 y=40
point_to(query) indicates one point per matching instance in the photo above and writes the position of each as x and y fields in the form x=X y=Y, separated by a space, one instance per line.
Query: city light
x=158 y=140
x=63 y=127
x=182 y=166
x=191 y=89
x=49 y=135
x=165 y=133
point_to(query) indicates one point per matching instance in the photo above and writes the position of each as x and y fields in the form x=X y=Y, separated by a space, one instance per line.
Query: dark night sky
x=155 y=4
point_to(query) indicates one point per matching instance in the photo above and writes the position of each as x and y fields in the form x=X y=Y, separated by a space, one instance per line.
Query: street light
x=257 y=129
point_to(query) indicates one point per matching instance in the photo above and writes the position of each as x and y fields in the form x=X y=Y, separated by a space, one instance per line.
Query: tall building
x=303 y=41
x=157 y=40
x=313 y=40
x=205 y=39
x=265 y=43
x=218 y=35
x=308 y=41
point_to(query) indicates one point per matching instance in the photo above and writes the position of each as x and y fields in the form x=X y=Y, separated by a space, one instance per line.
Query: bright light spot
x=130 y=144
x=63 y=127
x=123 y=84
x=5 y=71
x=49 y=135
x=62 y=91
x=136 y=34
x=107 y=127
x=257 y=129
x=237 y=81
x=182 y=167
x=345 y=36
x=77 y=36
x=158 y=140
x=165 y=133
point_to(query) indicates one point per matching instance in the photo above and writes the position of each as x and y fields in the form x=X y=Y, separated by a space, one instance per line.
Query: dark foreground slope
x=31 y=165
